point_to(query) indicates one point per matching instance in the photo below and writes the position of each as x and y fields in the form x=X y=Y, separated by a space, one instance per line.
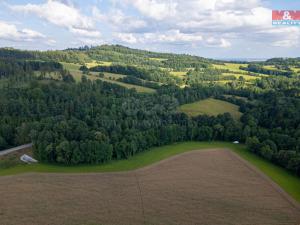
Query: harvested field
x=198 y=187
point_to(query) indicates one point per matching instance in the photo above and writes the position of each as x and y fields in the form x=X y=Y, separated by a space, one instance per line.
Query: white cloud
x=119 y=21
x=198 y=23
x=286 y=43
x=61 y=14
x=215 y=42
x=86 y=33
x=51 y=42
x=89 y=41
x=126 y=38
x=173 y=36
x=11 y=33
x=246 y=20
x=285 y=37
x=155 y=9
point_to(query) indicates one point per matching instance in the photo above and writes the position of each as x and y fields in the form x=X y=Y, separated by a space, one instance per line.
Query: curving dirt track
x=200 y=187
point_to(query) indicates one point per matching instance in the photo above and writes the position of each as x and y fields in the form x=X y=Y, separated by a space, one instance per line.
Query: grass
x=178 y=73
x=109 y=75
x=158 y=59
x=295 y=69
x=211 y=107
x=234 y=70
x=246 y=77
x=71 y=66
x=97 y=63
x=289 y=182
x=272 y=67
x=234 y=67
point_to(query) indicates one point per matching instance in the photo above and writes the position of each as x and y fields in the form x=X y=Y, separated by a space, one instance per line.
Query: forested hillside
x=88 y=105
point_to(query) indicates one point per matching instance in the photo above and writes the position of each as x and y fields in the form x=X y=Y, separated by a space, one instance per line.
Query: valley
x=109 y=115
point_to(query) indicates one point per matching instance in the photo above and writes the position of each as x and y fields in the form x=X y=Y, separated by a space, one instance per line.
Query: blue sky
x=209 y=28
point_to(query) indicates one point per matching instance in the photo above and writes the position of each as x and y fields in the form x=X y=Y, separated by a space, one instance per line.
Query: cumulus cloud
x=202 y=23
x=86 y=33
x=89 y=41
x=63 y=14
x=283 y=36
x=11 y=33
x=155 y=9
x=126 y=38
x=213 y=20
x=173 y=36
x=217 y=42
x=118 y=20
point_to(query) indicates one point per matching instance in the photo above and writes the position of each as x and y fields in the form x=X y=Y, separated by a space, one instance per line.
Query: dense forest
x=94 y=121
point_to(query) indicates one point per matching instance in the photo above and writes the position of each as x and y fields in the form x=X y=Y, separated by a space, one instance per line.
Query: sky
x=208 y=28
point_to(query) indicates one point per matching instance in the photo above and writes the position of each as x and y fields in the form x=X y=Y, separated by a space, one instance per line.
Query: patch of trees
x=279 y=83
x=14 y=54
x=12 y=67
x=199 y=75
x=256 y=68
x=94 y=122
x=183 y=62
x=271 y=128
x=283 y=62
x=193 y=93
x=151 y=74
x=57 y=56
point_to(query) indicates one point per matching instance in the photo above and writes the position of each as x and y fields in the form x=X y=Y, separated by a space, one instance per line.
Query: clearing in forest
x=211 y=107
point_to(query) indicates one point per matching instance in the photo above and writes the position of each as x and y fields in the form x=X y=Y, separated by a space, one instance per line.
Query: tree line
x=255 y=68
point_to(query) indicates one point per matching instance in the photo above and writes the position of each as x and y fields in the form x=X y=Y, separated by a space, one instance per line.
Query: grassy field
x=158 y=59
x=245 y=76
x=289 y=182
x=295 y=69
x=178 y=73
x=270 y=67
x=234 y=67
x=109 y=75
x=211 y=107
x=234 y=70
x=71 y=66
x=97 y=63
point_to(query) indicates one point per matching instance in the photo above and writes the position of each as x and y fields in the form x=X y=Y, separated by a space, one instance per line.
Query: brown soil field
x=200 y=187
